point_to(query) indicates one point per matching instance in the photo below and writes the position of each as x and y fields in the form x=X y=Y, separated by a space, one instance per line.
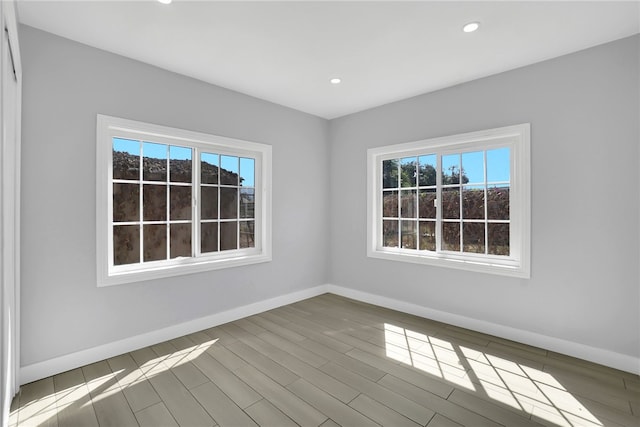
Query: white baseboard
x=570 y=348
x=64 y=363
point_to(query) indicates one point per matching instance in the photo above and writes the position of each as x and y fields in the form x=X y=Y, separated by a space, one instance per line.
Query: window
x=171 y=201
x=460 y=201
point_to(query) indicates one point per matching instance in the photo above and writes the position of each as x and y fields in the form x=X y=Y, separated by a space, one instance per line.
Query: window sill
x=190 y=266
x=505 y=268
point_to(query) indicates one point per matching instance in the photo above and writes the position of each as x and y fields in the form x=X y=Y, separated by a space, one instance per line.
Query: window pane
x=209 y=202
x=498 y=203
x=408 y=170
x=473 y=202
x=427 y=203
x=228 y=170
x=209 y=168
x=409 y=235
x=247 y=203
x=473 y=167
x=155 y=202
x=427 y=236
x=180 y=164
x=451 y=203
x=228 y=203
x=498 y=165
x=228 y=235
x=180 y=240
x=390 y=204
x=408 y=201
x=180 y=203
x=247 y=234
x=126 y=202
x=390 y=173
x=451 y=236
x=247 y=171
x=208 y=237
x=154 y=162
x=473 y=237
x=498 y=239
x=126 y=244
x=155 y=242
x=126 y=159
x=390 y=234
x=155 y=178
x=451 y=169
x=427 y=166
x=438 y=200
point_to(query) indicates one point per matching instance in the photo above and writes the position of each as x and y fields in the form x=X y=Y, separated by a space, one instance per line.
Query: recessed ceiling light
x=335 y=81
x=165 y=1
x=471 y=27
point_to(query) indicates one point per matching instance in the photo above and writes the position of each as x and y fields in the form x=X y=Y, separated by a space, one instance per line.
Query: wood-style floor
x=330 y=361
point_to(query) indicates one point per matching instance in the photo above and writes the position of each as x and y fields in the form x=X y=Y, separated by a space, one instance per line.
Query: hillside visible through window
x=153 y=202
x=472 y=215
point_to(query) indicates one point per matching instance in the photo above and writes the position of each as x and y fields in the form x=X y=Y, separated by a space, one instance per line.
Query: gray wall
x=584 y=115
x=65 y=85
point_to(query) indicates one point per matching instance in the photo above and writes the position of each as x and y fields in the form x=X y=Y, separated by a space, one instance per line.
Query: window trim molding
x=518 y=265
x=105 y=127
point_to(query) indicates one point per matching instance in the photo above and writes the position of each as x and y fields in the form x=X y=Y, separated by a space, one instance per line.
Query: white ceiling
x=383 y=51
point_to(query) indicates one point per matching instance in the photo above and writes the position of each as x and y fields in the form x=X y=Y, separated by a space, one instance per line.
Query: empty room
x=320 y=213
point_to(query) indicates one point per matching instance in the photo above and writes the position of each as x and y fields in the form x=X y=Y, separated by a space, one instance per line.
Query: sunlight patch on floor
x=429 y=354
x=103 y=387
x=526 y=389
x=37 y=412
x=40 y=411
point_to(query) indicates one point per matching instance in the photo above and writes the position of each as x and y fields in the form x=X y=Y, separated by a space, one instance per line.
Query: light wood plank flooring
x=330 y=361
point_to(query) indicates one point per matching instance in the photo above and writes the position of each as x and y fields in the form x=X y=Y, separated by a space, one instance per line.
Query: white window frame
x=517 y=138
x=108 y=274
